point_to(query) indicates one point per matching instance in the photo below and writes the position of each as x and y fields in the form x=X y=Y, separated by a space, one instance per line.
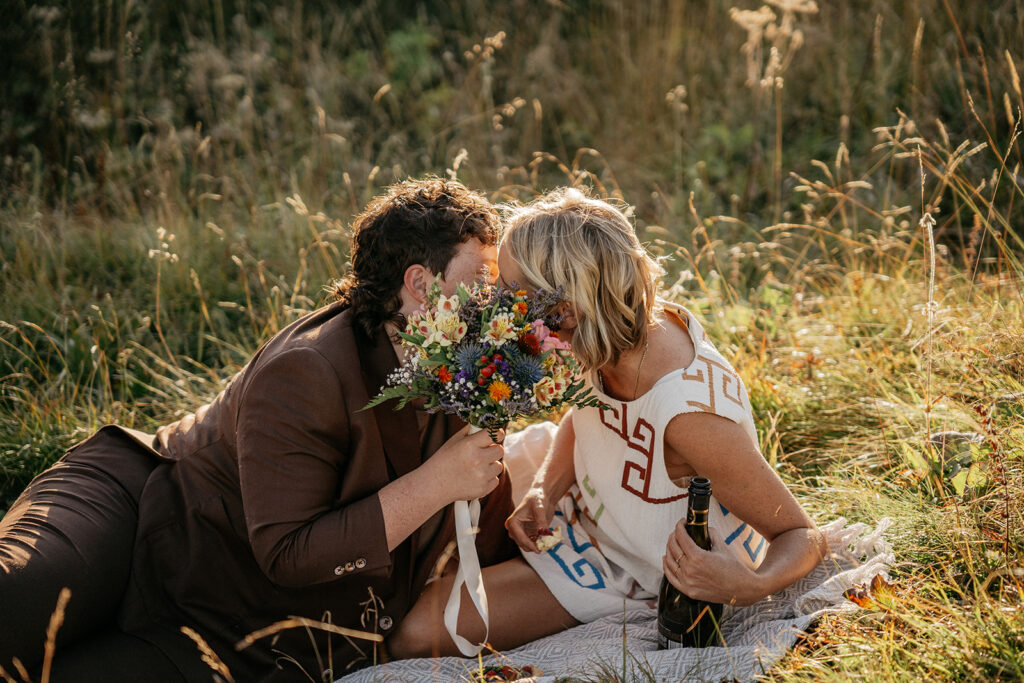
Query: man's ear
x=567 y=313
x=417 y=281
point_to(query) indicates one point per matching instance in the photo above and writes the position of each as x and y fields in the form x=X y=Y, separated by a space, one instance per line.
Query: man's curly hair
x=415 y=222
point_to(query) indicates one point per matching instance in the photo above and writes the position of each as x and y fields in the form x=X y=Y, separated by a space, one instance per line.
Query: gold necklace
x=636 y=383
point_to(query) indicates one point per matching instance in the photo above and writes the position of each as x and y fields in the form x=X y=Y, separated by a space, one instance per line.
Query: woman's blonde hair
x=588 y=248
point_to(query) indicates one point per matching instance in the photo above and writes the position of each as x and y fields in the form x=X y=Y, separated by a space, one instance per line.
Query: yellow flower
x=419 y=323
x=550 y=389
x=544 y=391
x=500 y=330
x=446 y=329
x=499 y=391
x=561 y=373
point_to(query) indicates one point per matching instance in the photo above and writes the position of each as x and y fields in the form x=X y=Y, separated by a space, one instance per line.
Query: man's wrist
x=428 y=478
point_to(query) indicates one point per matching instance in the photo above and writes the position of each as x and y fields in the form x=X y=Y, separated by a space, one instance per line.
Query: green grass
x=177 y=186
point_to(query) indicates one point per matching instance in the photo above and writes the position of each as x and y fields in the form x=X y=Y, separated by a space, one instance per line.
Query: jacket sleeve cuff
x=363 y=519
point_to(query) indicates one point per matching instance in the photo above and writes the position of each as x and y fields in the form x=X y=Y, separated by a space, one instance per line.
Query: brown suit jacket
x=266 y=507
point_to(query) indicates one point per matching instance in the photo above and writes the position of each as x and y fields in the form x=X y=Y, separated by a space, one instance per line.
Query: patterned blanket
x=757 y=637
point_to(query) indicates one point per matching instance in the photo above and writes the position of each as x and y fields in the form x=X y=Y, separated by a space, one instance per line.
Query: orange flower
x=520 y=307
x=499 y=391
x=444 y=374
x=520 y=292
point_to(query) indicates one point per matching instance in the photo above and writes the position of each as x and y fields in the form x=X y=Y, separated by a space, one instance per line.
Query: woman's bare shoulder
x=671 y=345
x=694 y=440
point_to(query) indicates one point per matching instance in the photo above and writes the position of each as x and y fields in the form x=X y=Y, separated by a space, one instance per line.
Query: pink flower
x=547 y=338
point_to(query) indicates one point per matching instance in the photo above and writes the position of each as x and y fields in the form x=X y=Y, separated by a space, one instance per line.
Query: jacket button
x=385 y=623
x=350 y=567
x=339 y=570
x=360 y=563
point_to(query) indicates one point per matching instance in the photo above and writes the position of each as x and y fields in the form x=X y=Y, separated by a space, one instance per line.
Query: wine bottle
x=683 y=621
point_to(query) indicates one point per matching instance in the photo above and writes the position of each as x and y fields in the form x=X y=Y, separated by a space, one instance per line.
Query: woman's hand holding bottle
x=711 y=575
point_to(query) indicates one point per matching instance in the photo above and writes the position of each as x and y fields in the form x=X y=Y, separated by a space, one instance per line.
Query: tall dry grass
x=838 y=193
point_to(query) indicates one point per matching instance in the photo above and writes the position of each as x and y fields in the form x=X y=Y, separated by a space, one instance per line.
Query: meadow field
x=836 y=189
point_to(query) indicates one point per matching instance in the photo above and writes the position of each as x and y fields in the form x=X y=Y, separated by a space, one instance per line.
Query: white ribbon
x=467 y=521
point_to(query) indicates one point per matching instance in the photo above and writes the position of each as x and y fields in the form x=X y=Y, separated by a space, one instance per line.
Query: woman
x=613 y=482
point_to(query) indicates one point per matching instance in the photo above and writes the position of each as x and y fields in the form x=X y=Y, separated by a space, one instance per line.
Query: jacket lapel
x=399 y=432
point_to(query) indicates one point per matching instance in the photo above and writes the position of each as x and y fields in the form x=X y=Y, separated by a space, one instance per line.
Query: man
x=283 y=497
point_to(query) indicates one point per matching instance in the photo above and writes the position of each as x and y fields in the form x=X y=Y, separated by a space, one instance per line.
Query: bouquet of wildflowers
x=487 y=354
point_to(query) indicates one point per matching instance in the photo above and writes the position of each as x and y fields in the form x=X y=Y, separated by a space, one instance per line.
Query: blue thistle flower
x=467 y=356
x=526 y=370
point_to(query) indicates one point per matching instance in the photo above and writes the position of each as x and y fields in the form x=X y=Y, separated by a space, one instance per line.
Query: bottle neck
x=697 y=520
x=697 y=510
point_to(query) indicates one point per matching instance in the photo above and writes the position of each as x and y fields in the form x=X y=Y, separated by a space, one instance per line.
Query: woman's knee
x=412 y=638
x=422 y=632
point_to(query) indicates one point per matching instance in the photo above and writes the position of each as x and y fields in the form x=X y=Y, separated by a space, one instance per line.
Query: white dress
x=616 y=520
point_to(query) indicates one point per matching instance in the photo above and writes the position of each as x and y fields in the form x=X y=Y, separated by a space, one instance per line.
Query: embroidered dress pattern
x=617 y=521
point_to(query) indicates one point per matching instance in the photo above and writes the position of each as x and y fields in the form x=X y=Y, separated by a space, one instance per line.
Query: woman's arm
x=718 y=448
x=552 y=480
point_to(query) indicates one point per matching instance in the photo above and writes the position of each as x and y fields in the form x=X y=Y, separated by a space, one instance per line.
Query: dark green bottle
x=683 y=621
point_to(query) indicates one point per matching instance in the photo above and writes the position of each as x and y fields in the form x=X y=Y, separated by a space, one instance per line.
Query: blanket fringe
x=858 y=554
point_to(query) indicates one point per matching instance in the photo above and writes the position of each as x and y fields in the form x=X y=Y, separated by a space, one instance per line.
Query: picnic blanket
x=757 y=636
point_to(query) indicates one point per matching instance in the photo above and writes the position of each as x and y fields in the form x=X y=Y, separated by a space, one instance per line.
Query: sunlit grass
x=845 y=219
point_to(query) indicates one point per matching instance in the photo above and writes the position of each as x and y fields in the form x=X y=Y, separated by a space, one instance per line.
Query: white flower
x=550 y=389
x=500 y=330
x=445 y=330
x=448 y=304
